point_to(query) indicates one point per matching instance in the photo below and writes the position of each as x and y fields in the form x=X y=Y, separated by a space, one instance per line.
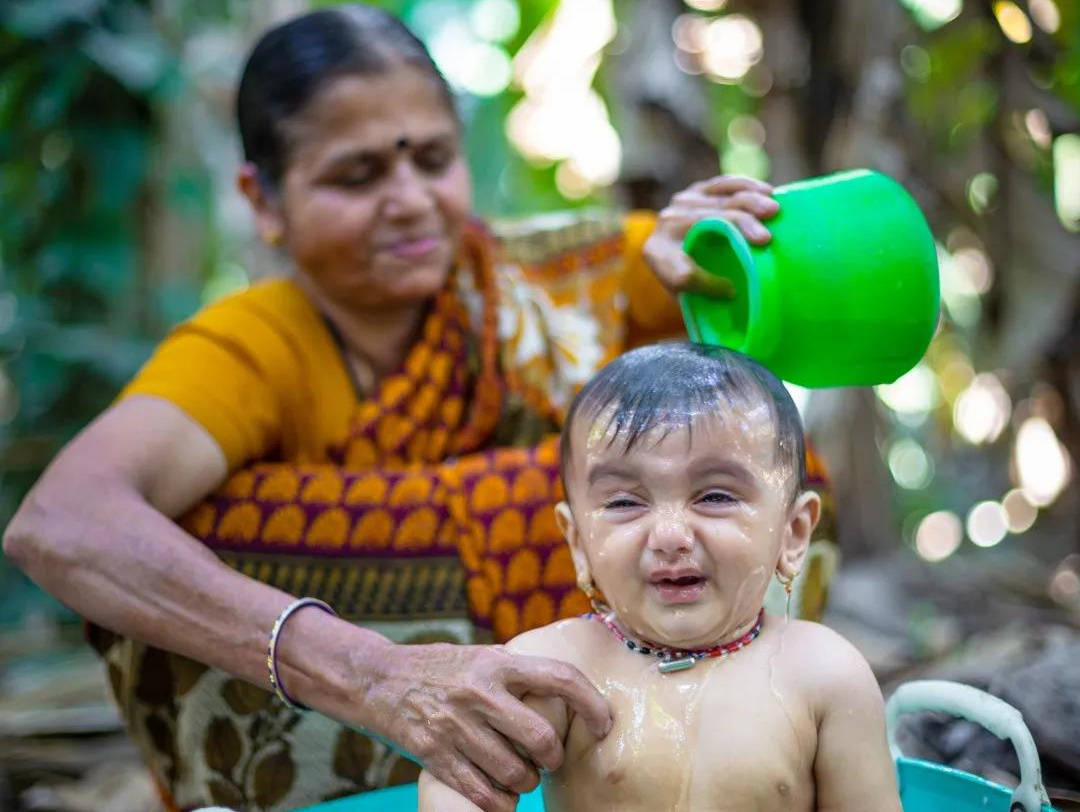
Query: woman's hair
x=294 y=60
x=667 y=386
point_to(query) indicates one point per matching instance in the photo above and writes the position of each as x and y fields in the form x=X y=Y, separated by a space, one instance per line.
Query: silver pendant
x=670 y=666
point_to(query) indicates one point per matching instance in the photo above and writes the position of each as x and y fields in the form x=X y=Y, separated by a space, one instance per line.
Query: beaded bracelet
x=271 y=651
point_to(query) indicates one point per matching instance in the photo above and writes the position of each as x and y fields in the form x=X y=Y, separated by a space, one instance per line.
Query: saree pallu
x=431 y=520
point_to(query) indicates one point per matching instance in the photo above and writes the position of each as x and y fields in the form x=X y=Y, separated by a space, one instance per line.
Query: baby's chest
x=699 y=744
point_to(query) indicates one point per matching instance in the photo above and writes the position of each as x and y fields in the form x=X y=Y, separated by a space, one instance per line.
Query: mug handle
x=996 y=715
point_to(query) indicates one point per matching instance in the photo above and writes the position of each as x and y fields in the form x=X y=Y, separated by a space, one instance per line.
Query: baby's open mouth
x=684 y=580
x=676 y=588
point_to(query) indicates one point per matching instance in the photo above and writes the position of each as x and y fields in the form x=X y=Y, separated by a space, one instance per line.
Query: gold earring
x=786 y=581
x=273 y=237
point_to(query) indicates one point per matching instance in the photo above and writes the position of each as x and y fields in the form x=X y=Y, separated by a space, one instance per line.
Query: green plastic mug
x=845 y=294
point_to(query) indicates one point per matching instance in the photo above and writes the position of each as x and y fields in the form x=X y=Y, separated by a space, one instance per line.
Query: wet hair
x=666 y=386
x=293 y=61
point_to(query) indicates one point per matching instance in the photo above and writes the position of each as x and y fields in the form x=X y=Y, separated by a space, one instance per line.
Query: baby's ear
x=802 y=519
x=565 y=519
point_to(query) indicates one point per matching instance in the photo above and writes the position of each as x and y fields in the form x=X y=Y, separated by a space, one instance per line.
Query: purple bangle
x=271 y=650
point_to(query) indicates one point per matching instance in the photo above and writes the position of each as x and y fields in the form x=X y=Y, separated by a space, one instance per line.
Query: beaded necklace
x=678 y=659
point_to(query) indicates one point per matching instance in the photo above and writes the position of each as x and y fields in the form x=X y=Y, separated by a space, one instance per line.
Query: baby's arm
x=435 y=796
x=853 y=769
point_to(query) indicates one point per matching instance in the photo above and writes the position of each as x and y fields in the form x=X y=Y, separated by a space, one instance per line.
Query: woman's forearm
x=99 y=547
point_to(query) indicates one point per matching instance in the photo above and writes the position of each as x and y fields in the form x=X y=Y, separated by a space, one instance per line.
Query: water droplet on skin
x=562 y=625
x=691 y=719
x=773 y=656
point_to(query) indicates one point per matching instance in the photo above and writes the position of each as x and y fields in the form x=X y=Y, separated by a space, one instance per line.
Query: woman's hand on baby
x=458 y=710
x=742 y=201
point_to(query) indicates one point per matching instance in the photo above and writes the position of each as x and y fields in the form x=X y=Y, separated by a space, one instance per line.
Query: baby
x=683 y=469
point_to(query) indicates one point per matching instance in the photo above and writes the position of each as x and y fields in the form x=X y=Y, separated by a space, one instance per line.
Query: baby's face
x=683 y=532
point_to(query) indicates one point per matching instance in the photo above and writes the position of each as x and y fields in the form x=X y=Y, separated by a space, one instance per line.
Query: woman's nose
x=670 y=534
x=407 y=193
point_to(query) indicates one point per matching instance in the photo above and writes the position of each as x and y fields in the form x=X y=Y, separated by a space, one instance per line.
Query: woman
x=407 y=347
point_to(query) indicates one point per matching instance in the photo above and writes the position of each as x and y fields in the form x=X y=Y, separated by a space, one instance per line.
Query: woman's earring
x=272 y=237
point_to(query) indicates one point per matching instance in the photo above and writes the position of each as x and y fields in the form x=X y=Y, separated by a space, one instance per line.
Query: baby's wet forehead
x=746 y=433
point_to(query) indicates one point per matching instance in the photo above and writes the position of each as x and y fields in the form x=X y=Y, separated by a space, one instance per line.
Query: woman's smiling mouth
x=412 y=249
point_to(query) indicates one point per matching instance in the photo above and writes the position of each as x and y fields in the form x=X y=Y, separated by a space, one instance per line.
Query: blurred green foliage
x=954 y=99
x=78 y=92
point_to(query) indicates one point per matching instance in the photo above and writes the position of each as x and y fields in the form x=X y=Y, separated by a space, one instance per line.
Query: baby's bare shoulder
x=832 y=667
x=800 y=634
x=568 y=640
x=833 y=674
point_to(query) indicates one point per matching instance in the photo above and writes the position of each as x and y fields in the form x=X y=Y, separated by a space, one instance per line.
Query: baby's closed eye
x=621 y=503
x=717 y=497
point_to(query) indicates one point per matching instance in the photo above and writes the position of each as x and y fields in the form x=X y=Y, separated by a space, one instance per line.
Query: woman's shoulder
x=250 y=366
x=278 y=302
x=270 y=325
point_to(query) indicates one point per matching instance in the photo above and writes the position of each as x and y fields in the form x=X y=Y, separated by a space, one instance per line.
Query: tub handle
x=996 y=715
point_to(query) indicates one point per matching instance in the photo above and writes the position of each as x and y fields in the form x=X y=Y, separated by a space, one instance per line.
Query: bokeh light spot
x=733 y=44
x=1067 y=180
x=1020 y=514
x=746 y=130
x=562 y=118
x=706 y=5
x=470 y=63
x=689 y=32
x=1064 y=586
x=1038 y=127
x=570 y=183
x=982 y=411
x=1013 y=21
x=932 y=14
x=1042 y=463
x=981 y=190
x=495 y=20
x=1046 y=15
x=938 y=535
x=910 y=465
x=987 y=524
x=913 y=394
x=955 y=375
x=916 y=62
